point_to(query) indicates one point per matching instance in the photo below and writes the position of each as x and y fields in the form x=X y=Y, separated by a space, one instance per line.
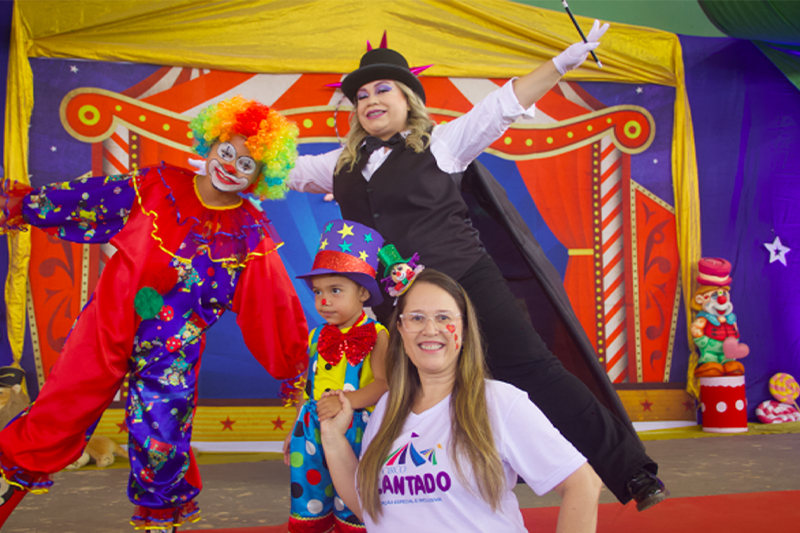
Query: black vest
x=413 y=205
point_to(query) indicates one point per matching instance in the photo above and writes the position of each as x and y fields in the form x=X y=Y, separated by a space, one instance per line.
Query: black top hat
x=10 y=376
x=381 y=64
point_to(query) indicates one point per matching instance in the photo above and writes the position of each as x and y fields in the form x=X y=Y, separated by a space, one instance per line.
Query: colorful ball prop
x=784 y=387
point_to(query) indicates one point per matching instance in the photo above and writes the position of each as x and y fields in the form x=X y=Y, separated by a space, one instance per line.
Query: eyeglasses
x=416 y=322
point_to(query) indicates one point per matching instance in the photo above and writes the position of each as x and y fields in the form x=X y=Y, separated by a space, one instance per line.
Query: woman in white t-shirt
x=445 y=445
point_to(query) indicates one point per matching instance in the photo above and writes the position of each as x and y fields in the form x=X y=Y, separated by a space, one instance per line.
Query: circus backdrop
x=604 y=175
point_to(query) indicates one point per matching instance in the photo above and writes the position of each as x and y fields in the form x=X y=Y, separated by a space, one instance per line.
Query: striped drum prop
x=723 y=404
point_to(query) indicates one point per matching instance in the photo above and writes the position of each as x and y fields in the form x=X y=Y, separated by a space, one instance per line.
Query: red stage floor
x=728 y=513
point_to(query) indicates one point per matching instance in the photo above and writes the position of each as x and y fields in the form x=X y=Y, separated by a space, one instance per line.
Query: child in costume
x=190 y=247
x=347 y=354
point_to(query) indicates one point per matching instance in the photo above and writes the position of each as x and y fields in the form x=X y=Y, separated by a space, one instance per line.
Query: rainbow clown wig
x=271 y=139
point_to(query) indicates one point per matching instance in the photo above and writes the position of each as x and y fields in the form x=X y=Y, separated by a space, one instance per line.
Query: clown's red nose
x=722 y=300
x=230 y=169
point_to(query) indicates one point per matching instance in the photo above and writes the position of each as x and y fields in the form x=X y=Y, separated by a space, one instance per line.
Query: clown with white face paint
x=189 y=249
x=714 y=330
x=230 y=167
x=237 y=144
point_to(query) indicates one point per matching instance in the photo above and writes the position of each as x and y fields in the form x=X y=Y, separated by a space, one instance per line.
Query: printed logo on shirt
x=401 y=476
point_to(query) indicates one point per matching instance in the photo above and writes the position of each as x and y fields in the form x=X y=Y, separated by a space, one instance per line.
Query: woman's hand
x=575 y=55
x=533 y=85
x=342 y=461
x=339 y=424
x=328 y=405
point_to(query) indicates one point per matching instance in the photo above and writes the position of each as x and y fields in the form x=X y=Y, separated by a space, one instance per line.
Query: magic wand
x=575 y=22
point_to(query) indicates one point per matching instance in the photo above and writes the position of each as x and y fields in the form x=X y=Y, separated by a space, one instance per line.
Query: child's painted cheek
x=324 y=301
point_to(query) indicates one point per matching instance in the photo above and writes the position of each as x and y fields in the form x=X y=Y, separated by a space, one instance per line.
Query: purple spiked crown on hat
x=349 y=249
x=378 y=64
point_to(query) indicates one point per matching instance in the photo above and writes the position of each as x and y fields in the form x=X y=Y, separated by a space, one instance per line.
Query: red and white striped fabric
x=772 y=412
x=616 y=336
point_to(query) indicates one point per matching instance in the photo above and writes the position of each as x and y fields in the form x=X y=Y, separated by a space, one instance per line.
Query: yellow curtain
x=462 y=38
x=19 y=103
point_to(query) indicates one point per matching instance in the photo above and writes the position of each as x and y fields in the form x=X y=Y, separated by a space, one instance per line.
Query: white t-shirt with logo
x=421 y=490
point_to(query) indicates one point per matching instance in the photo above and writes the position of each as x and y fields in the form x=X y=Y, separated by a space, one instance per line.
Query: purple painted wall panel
x=746 y=116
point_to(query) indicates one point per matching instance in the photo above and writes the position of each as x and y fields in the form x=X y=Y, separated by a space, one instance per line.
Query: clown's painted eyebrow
x=227 y=151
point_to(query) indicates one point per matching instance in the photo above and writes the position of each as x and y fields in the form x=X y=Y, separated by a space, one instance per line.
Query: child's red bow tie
x=356 y=344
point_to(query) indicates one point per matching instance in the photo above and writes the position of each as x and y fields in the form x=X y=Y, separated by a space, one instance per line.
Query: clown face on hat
x=399 y=272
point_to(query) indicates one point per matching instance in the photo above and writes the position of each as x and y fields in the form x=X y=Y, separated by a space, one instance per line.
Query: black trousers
x=517 y=355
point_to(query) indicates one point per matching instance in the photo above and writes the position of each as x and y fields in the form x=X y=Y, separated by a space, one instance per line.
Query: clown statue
x=189 y=248
x=714 y=329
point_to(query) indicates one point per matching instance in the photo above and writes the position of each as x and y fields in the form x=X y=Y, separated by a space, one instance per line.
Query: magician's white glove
x=572 y=57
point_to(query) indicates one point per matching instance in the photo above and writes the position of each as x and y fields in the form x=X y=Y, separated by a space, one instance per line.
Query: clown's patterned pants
x=316 y=508
x=164 y=475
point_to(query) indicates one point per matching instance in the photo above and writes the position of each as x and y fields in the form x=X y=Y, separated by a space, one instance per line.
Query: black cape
x=534 y=279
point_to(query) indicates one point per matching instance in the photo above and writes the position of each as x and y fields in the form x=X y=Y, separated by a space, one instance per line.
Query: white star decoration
x=53 y=148
x=74 y=69
x=639 y=90
x=777 y=251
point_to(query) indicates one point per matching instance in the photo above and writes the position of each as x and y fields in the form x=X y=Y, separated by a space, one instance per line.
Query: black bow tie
x=373 y=143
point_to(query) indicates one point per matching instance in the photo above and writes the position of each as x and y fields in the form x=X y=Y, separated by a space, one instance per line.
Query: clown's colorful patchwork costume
x=180 y=265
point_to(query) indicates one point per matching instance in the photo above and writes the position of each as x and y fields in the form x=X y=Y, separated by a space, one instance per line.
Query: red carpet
x=729 y=513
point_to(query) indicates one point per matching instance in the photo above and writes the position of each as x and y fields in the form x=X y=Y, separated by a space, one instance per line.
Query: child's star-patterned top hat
x=349 y=249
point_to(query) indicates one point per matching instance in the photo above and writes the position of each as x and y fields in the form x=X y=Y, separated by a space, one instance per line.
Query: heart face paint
x=452 y=329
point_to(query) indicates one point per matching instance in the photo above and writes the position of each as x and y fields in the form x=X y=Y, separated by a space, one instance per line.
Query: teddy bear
x=13 y=400
x=100 y=450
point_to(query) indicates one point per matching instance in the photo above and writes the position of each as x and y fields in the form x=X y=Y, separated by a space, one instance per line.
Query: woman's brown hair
x=471 y=433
